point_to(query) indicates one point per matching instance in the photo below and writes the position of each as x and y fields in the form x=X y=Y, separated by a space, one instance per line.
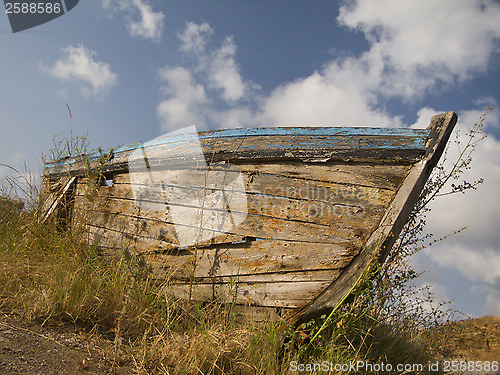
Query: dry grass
x=49 y=275
x=471 y=339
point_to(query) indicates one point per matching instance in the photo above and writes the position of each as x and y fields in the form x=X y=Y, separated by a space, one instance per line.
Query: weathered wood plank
x=360 y=208
x=364 y=214
x=119 y=238
x=247 y=257
x=290 y=294
x=351 y=137
x=327 y=189
x=199 y=275
x=253 y=226
x=357 y=174
x=327 y=143
x=264 y=278
x=315 y=132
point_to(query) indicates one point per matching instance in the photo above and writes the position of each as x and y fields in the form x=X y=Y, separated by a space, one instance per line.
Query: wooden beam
x=54 y=198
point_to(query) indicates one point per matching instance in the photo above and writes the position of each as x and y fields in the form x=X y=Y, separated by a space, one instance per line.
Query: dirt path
x=30 y=349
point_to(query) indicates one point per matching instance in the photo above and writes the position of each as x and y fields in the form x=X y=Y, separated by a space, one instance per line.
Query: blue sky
x=134 y=69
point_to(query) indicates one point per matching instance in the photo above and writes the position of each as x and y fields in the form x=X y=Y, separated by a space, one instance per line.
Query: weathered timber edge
x=263 y=144
x=383 y=238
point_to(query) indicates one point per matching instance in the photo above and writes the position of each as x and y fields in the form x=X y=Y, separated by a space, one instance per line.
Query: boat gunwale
x=305 y=147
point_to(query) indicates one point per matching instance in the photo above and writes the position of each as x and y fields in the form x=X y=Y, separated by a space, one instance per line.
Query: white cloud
x=142 y=21
x=194 y=37
x=423 y=42
x=224 y=72
x=405 y=60
x=414 y=47
x=475 y=264
x=217 y=67
x=187 y=99
x=481 y=208
x=214 y=74
x=150 y=24
x=492 y=306
x=79 y=65
x=317 y=101
x=337 y=95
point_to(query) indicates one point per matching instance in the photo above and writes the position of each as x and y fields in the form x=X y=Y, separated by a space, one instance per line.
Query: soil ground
x=31 y=348
x=474 y=341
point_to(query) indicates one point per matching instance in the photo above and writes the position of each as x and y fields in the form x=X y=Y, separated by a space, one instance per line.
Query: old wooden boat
x=273 y=217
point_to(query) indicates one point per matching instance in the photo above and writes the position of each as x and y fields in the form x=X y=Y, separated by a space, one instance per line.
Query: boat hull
x=283 y=217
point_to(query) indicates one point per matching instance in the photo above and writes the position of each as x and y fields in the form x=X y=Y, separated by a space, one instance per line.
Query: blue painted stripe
x=296 y=132
x=317 y=131
x=326 y=137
